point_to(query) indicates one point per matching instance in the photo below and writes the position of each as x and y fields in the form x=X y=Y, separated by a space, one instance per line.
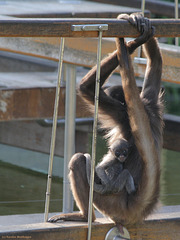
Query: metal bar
x=96 y=103
x=142 y=10
x=79 y=121
x=143 y=6
x=69 y=143
x=90 y=27
x=140 y=60
x=62 y=27
x=176 y=17
x=53 y=136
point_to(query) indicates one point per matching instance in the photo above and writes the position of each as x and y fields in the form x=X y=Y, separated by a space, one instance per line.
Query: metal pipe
x=176 y=17
x=79 y=121
x=143 y=6
x=53 y=136
x=69 y=144
x=142 y=10
x=96 y=103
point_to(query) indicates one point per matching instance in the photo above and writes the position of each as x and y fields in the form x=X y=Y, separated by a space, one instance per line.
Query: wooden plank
x=39 y=137
x=159 y=226
x=25 y=80
x=171 y=64
x=82 y=51
x=62 y=9
x=62 y=28
x=33 y=135
x=171 y=139
x=157 y=7
x=32 y=103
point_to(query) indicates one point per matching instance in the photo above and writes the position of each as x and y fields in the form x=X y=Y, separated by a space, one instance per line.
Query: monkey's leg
x=99 y=187
x=124 y=180
x=80 y=190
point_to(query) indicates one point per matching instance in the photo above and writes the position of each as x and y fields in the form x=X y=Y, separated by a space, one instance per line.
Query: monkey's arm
x=107 y=163
x=87 y=84
x=139 y=120
x=104 y=184
x=109 y=184
x=124 y=179
x=107 y=105
x=152 y=80
x=137 y=20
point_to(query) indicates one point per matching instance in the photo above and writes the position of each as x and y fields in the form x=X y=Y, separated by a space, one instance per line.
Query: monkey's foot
x=69 y=217
x=120 y=228
x=56 y=218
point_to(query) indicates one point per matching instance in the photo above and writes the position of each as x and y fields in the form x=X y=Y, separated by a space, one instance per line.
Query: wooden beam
x=32 y=103
x=171 y=139
x=159 y=226
x=82 y=51
x=62 y=28
x=34 y=136
x=154 y=6
x=64 y=9
x=171 y=64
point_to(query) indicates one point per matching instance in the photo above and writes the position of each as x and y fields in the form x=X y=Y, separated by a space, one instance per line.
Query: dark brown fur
x=136 y=118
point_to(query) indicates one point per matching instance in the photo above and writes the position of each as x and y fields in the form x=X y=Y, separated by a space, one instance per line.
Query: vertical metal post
x=69 y=145
x=143 y=6
x=99 y=28
x=53 y=136
x=94 y=135
x=142 y=10
x=176 y=17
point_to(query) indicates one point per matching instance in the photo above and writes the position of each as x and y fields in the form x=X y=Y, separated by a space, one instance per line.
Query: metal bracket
x=140 y=60
x=114 y=234
x=90 y=27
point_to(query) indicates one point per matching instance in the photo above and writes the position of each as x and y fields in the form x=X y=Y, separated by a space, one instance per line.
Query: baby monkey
x=110 y=175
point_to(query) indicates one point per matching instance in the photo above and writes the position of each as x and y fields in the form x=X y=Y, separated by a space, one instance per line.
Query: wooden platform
x=82 y=52
x=163 y=225
x=59 y=9
x=162 y=8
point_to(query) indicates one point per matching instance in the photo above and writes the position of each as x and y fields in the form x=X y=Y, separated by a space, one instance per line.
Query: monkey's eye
x=125 y=152
x=117 y=153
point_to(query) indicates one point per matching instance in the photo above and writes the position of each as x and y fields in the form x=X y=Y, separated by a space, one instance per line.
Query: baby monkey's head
x=120 y=149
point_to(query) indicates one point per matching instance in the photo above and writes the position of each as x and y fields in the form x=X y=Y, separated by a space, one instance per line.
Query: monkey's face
x=121 y=154
x=120 y=149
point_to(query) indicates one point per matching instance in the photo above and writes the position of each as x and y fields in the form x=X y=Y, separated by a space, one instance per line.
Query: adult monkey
x=137 y=118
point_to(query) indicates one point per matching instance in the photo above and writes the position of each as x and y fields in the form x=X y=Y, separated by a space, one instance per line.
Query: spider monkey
x=110 y=175
x=126 y=114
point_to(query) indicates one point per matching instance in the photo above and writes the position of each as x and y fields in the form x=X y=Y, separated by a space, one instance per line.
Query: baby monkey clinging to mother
x=126 y=187
x=110 y=175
